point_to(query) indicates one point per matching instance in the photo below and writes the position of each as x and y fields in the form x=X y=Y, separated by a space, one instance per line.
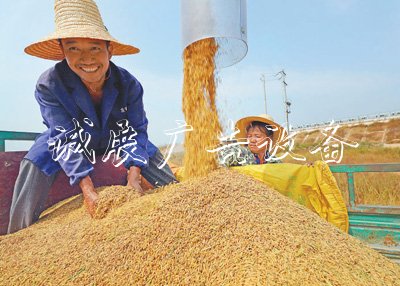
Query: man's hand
x=89 y=194
x=134 y=179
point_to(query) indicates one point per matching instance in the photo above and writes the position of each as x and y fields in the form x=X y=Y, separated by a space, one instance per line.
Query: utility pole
x=286 y=103
x=262 y=78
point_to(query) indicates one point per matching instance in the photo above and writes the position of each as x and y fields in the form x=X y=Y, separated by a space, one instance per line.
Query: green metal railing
x=378 y=226
x=351 y=169
x=14 y=135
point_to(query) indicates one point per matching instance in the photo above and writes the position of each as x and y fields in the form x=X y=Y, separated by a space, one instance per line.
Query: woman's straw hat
x=242 y=124
x=76 y=19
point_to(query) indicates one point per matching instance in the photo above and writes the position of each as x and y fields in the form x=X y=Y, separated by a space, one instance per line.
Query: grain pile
x=223 y=229
x=199 y=108
x=112 y=197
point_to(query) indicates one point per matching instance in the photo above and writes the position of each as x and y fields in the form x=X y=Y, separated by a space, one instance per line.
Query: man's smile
x=89 y=69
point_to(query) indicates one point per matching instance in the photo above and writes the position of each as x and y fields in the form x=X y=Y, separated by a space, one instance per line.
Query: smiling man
x=89 y=59
x=89 y=106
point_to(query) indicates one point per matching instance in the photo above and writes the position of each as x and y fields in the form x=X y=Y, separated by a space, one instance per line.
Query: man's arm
x=138 y=121
x=55 y=115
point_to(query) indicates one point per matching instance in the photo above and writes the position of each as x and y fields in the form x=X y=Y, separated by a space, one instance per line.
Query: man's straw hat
x=242 y=123
x=76 y=19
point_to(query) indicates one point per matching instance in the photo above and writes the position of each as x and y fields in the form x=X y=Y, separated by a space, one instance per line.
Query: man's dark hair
x=266 y=128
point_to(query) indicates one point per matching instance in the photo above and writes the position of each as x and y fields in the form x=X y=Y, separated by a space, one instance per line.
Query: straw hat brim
x=49 y=48
x=242 y=123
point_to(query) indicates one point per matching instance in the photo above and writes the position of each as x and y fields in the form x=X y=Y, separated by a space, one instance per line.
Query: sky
x=341 y=57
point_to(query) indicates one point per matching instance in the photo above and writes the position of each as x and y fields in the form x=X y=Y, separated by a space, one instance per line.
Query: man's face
x=88 y=58
x=258 y=140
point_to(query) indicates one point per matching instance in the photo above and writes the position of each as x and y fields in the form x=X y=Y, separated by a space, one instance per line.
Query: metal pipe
x=224 y=20
x=265 y=92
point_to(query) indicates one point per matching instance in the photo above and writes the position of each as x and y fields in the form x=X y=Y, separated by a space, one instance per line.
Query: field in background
x=371 y=188
x=379 y=142
x=385 y=132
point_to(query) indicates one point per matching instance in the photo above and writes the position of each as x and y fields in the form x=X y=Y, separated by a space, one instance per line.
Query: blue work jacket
x=63 y=97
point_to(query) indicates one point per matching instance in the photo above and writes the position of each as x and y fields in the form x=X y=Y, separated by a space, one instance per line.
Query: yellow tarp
x=312 y=186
